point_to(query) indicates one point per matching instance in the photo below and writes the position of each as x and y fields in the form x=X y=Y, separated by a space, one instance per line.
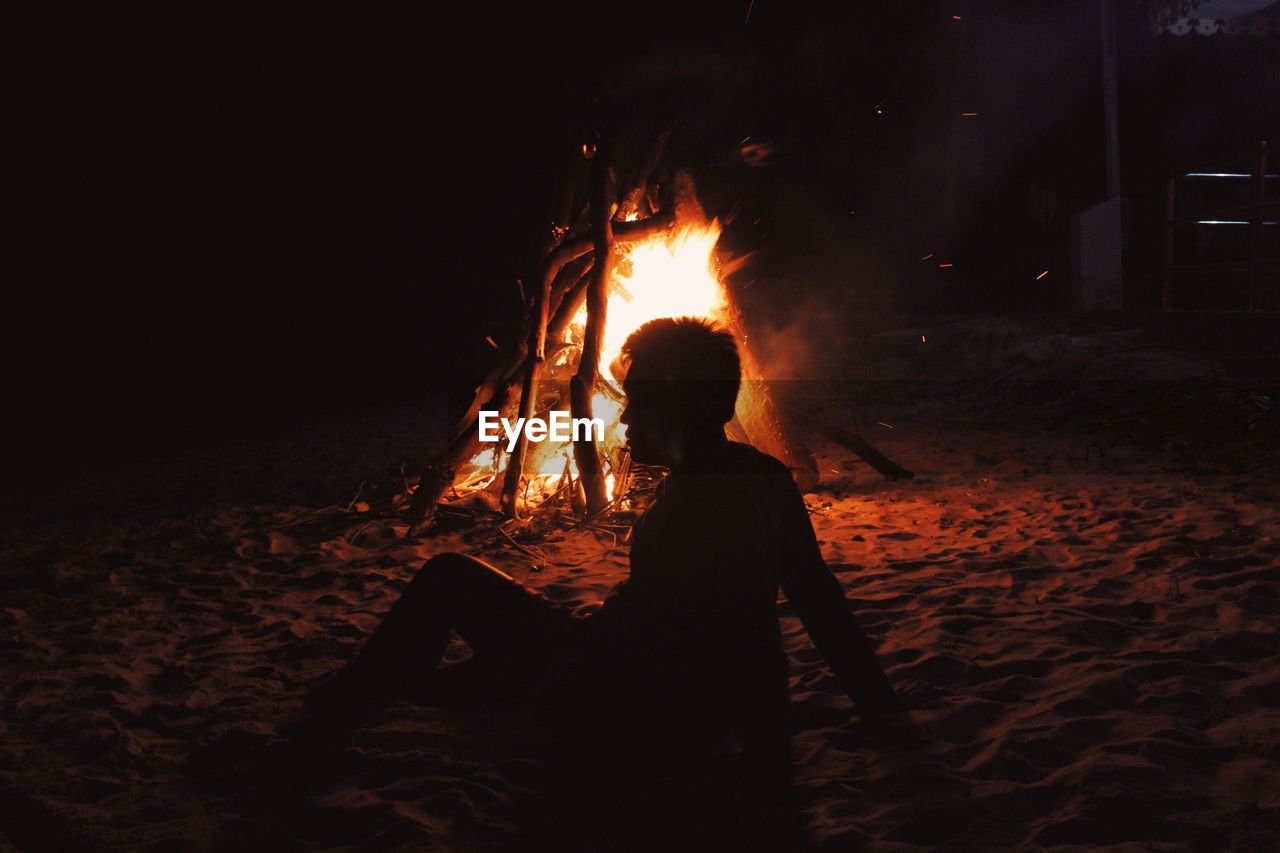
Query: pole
x=1110 y=109
x=1258 y=190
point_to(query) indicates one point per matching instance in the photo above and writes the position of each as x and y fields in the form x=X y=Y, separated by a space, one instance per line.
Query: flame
x=664 y=276
x=668 y=275
x=606 y=407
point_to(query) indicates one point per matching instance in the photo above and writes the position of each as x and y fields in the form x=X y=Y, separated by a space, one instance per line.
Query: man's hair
x=700 y=359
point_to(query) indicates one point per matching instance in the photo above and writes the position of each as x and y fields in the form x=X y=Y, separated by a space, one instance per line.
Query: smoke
x=880 y=176
x=811 y=344
x=876 y=176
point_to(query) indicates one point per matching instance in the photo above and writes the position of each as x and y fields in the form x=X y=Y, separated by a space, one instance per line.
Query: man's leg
x=505 y=623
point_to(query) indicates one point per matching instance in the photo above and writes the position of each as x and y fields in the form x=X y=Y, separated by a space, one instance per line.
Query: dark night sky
x=242 y=219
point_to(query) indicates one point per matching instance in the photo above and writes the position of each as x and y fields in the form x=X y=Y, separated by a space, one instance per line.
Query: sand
x=1078 y=609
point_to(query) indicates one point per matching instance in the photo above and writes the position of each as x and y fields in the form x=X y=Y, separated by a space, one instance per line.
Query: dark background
x=239 y=221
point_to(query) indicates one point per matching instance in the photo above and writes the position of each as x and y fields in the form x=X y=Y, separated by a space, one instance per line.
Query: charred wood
x=583 y=383
x=439 y=474
x=855 y=442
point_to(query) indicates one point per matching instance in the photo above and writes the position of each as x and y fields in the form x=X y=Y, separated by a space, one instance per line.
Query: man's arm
x=819 y=601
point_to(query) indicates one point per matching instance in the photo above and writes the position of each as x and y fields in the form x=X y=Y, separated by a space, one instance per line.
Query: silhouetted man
x=688 y=648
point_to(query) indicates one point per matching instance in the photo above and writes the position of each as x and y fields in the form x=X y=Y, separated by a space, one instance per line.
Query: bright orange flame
x=665 y=276
x=670 y=275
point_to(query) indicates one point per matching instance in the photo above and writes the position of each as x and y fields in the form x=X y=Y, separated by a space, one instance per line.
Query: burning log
x=532 y=373
x=855 y=442
x=562 y=294
x=569 y=306
x=583 y=383
x=495 y=391
x=537 y=344
x=554 y=265
x=629 y=208
x=438 y=475
x=512 y=356
x=565 y=287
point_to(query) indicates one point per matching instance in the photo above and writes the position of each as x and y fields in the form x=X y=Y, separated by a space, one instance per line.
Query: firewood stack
x=632 y=194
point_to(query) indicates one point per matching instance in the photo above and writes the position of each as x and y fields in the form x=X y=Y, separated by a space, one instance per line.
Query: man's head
x=681 y=385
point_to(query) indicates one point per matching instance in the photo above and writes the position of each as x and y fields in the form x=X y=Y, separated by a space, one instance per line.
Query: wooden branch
x=583 y=383
x=630 y=204
x=566 y=280
x=569 y=306
x=643 y=229
x=557 y=300
x=532 y=373
x=510 y=357
x=536 y=346
x=556 y=256
x=623 y=232
x=440 y=473
x=855 y=442
x=567 y=300
x=508 y=360
x=675 y=198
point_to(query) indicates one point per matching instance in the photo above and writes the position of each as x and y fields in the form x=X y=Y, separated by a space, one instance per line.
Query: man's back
x=705 y=567
x=706 y=563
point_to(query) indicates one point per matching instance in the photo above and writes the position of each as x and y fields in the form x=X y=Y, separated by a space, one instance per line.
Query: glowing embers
x=550 y=468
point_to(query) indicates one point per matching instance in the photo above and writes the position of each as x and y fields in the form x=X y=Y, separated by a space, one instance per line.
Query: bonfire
x=634 y=256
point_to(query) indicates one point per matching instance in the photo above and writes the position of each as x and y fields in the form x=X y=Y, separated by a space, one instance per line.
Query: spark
x=946 y=265
x=968 y=114
x=490 y=340
x=956 y=18
x=1042 y=275
x=923 y=339
x=750 y=6
x=885 y=425
x=927 y=257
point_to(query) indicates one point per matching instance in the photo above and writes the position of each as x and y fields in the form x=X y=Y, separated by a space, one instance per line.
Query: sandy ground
x=1076 y=596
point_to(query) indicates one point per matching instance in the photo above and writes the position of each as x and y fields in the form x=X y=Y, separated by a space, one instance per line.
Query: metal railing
x=1260 y=215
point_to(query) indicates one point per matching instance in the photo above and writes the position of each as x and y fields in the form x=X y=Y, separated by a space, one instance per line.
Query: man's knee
x=467 y=587
x=452 y=569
